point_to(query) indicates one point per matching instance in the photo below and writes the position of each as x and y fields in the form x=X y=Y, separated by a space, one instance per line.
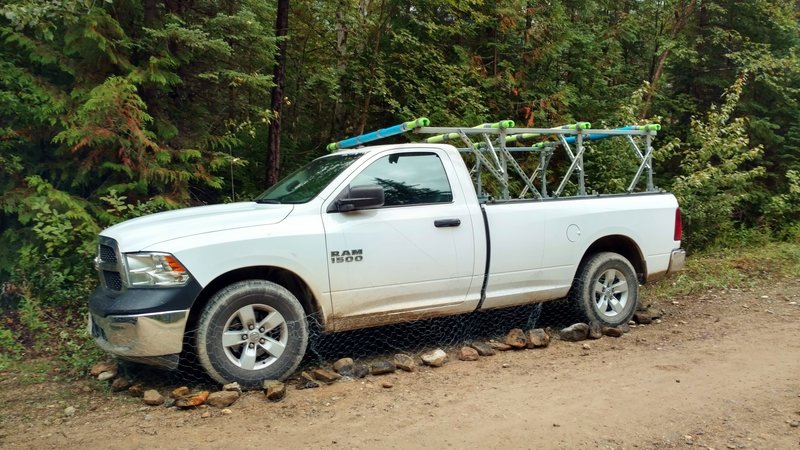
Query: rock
x=192 y=400
x=107 y=375
x=654 y=313
x=435 y=358
x=516 y=339
x=344 y=367
x=69 y=411
x=120 y=384
x=595 y=330
x=642 y=318
x=99 y=368
x=179 y=392
x=169 y=403
x=575 y=332
x=387 y=385
x=232 y=387
x=305 y=384
x=326 y=376
x=483 y=348
x=226 y=411
x=499 y=346
x=153 y=398
x=274 y=390
x=136 y=390
x=794 y=424
x=307 y=381
x=307 y=376
x=360 y=370
x=587 y=347
x=205 y=415
x=538 y=338
x=468 y=354
x=405 y=362
x=624 y=327
x=223 y=399
x=612 y=332
x=382 y=367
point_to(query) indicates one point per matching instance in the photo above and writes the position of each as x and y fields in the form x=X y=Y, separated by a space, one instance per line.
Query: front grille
x=107 y=254
x=112 y=280
x=109 y=265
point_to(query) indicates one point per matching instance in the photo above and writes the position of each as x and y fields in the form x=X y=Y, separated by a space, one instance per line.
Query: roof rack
x=488 y=143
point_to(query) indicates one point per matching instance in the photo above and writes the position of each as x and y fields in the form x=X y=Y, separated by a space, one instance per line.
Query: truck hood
x=143 y=232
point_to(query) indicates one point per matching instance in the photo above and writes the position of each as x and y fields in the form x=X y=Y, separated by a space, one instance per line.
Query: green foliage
x=114 y=109
x=31 y=317
x=77 y=350
x=54 y=256
x=782 y=211
x=717 y=171
x=10 y=348
x=740 y=267
x=141 y=101
x=118 y=209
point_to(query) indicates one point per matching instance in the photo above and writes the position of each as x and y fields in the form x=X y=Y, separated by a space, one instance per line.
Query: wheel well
x=277 y=275
x=623 y=245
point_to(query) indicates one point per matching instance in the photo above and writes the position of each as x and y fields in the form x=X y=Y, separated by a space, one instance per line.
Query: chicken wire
x=412 y=337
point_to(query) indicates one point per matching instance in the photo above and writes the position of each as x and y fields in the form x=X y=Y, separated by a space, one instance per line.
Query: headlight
x=155 y=269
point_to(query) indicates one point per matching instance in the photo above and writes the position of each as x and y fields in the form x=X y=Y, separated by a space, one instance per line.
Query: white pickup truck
x=361 y=238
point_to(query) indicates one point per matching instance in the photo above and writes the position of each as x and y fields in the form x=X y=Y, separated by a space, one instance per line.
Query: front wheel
x=606 y=289
x=251 y=331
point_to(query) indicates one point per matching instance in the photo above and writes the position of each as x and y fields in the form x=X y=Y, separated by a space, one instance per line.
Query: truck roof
x=377 y=148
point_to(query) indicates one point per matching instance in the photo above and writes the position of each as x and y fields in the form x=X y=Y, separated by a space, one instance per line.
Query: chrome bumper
x=140 y=336
x=676 y=260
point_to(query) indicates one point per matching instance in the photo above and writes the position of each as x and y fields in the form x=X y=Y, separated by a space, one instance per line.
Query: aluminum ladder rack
x=488 y=143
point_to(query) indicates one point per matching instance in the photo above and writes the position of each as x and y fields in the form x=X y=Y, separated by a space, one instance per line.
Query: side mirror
x=361 y=197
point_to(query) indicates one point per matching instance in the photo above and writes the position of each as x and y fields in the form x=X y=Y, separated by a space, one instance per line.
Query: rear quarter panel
x=538 y=245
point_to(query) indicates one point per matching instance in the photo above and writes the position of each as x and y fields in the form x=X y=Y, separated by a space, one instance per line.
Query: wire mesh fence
x=379 y=350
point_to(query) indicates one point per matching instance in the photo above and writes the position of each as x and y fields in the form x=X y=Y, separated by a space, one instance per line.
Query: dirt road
x=721 y=371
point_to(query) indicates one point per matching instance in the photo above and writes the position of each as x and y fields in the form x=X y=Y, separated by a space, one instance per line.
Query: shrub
x=718 y=172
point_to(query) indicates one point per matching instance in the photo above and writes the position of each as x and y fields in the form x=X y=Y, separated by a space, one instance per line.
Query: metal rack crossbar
x=488 y=143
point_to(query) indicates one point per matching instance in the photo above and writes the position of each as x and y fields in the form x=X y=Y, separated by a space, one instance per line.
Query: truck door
x=411 y=258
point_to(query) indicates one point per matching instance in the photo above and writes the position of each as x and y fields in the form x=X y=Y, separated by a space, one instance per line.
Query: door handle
x=441 y=223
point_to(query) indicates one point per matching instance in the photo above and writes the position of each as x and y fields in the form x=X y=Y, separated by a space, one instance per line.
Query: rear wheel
x=251 y=331
x=606 y=289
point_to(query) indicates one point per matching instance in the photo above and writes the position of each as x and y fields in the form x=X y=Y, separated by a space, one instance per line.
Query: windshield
x=306 y=183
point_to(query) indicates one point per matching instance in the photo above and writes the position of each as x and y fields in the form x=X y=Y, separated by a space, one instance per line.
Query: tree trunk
x=362 y=123
x=342 y=32
x=683 y=12
x=150 y=13
x=279 y=78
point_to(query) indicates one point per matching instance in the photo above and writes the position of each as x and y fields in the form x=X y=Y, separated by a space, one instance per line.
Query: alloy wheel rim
x=610 y=293
x=255 y=336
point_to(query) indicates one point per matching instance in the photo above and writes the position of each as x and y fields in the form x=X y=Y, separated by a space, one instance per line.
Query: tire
x=251 y=331
x=606 y=289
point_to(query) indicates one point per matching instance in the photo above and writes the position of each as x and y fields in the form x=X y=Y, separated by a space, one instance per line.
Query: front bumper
x=143 y=325
x=141 y=337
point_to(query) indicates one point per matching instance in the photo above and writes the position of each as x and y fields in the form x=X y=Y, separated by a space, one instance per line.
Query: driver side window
x=408 y=179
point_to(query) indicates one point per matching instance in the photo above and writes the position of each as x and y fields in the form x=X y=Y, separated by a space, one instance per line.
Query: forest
x=111 y=109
